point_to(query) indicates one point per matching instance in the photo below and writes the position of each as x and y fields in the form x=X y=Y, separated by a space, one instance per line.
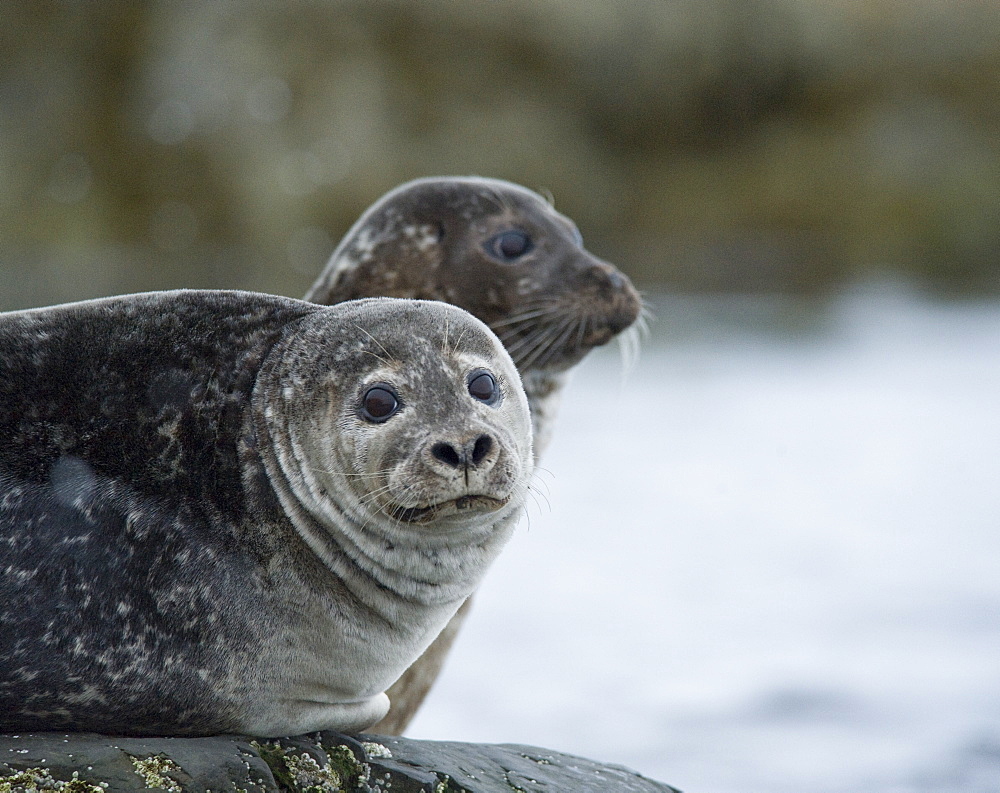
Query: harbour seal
x=231 y=512
x=503 y=253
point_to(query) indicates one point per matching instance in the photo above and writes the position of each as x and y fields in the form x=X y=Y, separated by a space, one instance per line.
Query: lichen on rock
x=153 y=770
x=297 y=770
x=39 y=780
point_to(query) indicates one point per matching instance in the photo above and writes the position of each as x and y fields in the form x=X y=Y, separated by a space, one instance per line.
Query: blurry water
x=771 y=561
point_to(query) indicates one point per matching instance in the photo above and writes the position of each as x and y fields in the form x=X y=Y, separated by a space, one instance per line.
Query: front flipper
x=301 y=716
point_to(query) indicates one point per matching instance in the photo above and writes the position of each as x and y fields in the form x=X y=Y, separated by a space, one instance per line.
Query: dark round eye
x=378 y=403
x=509 y=245
x=484 y=388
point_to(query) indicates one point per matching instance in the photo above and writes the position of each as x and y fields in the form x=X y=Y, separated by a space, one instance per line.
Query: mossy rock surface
x=318 y=763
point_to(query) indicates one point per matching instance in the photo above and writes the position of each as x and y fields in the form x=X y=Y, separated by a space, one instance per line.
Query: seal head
x=407 y=434
x=498 y=250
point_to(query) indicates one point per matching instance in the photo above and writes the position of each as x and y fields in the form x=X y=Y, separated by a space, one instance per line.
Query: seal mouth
x=473 y=503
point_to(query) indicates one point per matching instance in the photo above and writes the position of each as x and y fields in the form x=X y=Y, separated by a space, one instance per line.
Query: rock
x=320 y=762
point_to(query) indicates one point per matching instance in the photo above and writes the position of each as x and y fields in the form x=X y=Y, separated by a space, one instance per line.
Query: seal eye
x=483 y=387
x=509 y=245
x=378 y=403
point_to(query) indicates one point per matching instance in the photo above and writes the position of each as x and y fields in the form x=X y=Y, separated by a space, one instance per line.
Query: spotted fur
x=197 y=529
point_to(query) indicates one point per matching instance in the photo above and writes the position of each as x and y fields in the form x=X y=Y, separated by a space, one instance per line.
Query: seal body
x=503 y=253
x=230 y=512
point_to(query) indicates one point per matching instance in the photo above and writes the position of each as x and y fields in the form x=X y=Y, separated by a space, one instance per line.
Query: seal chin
x=455 y=506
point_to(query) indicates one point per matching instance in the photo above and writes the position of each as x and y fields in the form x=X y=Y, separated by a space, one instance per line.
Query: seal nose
x=470 y=454
x=621 y=303
x=607 y=280
x=617 y=280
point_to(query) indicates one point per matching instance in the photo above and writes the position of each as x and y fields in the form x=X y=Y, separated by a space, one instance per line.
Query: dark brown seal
x=503 y=253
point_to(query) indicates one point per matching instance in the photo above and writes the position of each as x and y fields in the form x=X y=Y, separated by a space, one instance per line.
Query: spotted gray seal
x=503 y=253
x=231 y=512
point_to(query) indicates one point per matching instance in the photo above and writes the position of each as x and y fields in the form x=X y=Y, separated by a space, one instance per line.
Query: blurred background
x=786 y=577
x=718 y=145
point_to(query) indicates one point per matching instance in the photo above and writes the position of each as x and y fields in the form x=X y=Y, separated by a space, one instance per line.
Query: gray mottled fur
x=195 y=521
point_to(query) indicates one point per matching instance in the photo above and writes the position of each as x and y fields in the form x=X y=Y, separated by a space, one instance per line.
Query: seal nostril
x=607 y=280
x=446 y=453
x=483 y=446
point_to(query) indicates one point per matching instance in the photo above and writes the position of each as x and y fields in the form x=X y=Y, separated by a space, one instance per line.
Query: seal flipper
x=302 y=715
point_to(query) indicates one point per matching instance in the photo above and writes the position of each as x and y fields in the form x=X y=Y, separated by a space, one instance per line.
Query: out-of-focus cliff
x=739 y=145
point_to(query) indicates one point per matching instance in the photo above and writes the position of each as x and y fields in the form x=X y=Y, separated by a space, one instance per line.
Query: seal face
x=229 y=512
x=501 y=252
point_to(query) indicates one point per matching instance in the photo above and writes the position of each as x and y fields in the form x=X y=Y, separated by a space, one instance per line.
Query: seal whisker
x=536 y=478
x=553 y=303
x=630 y=341
x=523 y=347
x=537 y=494
x=408 y=489
x=530 y=499
x=584 y=326
x=502 y=202
x=396 y=511
x=539 y=470
x=374 y=495
x=523 y=492
x=461 y=336
x=516 y=340
x=559 y=342
x=524 y=316
x=526 y=304
x=538 y=345
x=542 y=334
x=527 y=341
x=370 y=504
x=542 y=351
x=377 y=357
x=628 y=347
x=349 y=474
x=532 y=314
x=646 y=314
x=369 y=335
